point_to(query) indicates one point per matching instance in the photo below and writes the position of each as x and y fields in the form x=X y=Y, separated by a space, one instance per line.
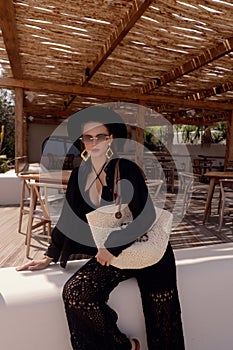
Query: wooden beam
x=136 y=11
x=217 y=90
x=197 y=62
x=9 y=33
x=57 y=116
x=111 y=94
x=36 y=111
x=46 y=121
x=201 y=121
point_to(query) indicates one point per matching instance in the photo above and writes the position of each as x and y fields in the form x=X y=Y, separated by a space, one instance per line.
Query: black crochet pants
x=92 y=322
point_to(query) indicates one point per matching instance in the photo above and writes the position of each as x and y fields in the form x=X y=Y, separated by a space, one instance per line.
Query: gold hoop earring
x=109 y=152
x=85 y=155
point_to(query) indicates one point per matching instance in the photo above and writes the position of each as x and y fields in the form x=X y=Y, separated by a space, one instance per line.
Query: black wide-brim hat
x=104 y=115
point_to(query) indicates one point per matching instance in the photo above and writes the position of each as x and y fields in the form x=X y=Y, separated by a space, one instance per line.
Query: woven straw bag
x=145 y=251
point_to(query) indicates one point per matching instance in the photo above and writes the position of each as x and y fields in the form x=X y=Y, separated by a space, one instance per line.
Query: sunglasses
x=98 y=138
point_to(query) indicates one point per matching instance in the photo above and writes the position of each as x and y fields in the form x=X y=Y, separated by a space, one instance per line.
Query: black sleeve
x=58 y=238
x=140 y=204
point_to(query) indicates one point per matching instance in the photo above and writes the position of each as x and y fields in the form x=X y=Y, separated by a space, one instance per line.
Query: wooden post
x=19 y=128
x=25 y=137
x=140 y=136
x=170 y=136
x=229 y=141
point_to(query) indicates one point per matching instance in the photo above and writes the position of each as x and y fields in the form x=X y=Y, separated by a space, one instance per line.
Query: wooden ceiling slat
x=9 y=32
x=220 y=89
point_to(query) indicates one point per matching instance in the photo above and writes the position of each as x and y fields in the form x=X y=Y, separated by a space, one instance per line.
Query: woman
x=91 y=321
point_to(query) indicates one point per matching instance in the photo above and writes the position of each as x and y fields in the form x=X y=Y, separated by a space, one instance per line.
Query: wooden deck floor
x=189 y=233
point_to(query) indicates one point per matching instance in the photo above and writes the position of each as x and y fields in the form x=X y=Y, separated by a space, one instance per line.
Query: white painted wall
x=37 y=133
x=10 y=188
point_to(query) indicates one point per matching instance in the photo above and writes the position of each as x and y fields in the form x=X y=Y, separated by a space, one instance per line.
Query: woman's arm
x=54 y=250
x=134 y=192
x=38 y=264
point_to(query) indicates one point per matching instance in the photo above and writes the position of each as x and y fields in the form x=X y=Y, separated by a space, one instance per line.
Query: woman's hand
x=104 y=257
x=35 y=264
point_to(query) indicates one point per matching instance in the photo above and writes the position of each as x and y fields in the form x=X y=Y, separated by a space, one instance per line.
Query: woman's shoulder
x=75 y=171
x=81 y=168
x=130 y=169
x=124 y=163
x=128 y=163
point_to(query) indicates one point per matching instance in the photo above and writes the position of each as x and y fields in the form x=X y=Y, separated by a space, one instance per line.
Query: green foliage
x=7 y=118
x=154 y=138
x=4 y=165
x=220 y=132
x=193 y=134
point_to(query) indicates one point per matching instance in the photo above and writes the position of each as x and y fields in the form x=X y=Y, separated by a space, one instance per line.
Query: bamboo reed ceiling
x=171 y=56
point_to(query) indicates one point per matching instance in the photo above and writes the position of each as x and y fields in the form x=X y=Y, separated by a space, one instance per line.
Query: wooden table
x=56 y=177
x=210 y=157
x=214 y=177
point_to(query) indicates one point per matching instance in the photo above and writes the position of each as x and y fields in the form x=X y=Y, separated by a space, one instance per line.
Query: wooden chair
x=226 y=199
x=228 y=166
x=192 y=188
x=154 y=186
x=200 y=167
x=24 y=203
x=186 y=183
x=39 y=214
x=169 y=169
x=151 y=168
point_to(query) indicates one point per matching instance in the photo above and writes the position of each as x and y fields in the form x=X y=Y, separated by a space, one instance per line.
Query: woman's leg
x=163 y=320
x=92 y=322
x=161 y=305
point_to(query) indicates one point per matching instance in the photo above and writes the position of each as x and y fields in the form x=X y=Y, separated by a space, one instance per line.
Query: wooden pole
x=19 y=128
x=25 y=137
x=140 y=136
x=170 y=136
x=229 y=141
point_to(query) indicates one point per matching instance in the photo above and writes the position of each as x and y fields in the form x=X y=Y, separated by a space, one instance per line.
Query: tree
x=191 y=133
x=220 y=132
x=7 y=119
x=205 y=134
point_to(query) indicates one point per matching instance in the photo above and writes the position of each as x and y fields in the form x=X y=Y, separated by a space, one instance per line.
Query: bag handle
x=117 y=190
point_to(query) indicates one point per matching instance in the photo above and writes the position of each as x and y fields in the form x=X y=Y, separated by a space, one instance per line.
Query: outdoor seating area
x=188 y=201
x=166 y=68
x=204 y=259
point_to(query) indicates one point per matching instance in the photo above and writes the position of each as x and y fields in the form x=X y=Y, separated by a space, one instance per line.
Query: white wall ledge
x=10 y=188
x=32 y=313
